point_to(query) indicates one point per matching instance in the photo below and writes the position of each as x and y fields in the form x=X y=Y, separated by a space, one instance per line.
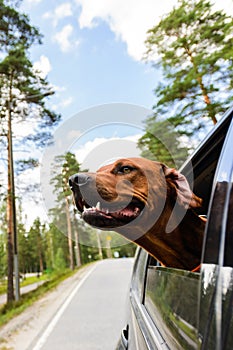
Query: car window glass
x=171 y=298
x=216 y=304
x=207 y=319
x=227 y=312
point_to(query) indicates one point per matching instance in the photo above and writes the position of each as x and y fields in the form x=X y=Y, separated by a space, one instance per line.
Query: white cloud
x=226 y=5
x=63 y=10
x=130 y=19
x=64 y=40
x=43 y=66
x=33 y=2
x=60 y=12
x=101 y=151
x=59 y=89
x=65 y=102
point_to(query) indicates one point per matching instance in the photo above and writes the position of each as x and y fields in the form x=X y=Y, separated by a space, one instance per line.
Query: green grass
x=25 y=282
x=8 y=311
x=3 y=287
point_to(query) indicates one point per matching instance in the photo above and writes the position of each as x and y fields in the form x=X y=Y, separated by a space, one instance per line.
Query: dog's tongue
x=126 y=212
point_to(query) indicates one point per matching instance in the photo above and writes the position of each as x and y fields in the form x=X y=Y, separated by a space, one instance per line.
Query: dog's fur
x=149 y=204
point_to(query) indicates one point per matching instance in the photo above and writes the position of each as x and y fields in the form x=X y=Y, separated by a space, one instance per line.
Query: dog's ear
x=185 y=196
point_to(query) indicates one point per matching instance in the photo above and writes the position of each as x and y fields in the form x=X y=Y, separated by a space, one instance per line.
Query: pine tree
x=22 y=94
x=65 y=166
x=3 y=230
x=194 y=46
x=36 y=244
x=161 y=142
x=15 y=27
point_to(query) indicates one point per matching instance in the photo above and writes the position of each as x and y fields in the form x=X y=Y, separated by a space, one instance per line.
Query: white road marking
x=59 y=313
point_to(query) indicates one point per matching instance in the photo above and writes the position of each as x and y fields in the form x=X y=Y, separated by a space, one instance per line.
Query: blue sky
x=92 y=50
x=91 y=65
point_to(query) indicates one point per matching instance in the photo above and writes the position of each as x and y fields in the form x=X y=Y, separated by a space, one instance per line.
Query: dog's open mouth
x=111 y=217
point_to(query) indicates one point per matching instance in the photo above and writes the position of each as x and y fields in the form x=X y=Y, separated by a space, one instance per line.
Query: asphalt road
x=92 y=316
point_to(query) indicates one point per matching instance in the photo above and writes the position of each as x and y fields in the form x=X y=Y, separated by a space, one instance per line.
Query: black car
x=177 y=309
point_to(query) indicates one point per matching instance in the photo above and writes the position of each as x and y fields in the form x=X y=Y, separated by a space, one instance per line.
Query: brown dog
x=148 y=203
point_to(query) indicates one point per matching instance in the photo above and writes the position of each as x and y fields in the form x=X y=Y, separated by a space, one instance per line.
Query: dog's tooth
x=107 y=211
x=136 y=211
x=84 y=208
x=98 y=206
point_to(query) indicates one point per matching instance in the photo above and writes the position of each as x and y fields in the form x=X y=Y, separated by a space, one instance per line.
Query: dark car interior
x=200 y=173
x=201 y=170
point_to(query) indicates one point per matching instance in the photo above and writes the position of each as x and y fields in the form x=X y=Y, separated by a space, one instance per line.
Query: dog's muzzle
x=95 y=210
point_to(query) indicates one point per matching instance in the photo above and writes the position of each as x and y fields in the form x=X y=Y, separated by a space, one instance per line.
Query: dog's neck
x=176 y=244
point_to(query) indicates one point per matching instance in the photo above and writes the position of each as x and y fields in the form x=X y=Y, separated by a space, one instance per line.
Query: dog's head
x=130 y=192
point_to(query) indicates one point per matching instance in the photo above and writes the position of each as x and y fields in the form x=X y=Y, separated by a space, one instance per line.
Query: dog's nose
x=78 y=179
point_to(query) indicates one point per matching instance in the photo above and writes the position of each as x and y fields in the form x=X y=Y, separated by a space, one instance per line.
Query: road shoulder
x=19 y=333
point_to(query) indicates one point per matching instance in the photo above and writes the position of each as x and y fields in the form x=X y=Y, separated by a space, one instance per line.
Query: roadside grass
x=3 y=287
x=8 y=311
x=25 y=282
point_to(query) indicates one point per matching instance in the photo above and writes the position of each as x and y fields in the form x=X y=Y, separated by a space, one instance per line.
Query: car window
x=200 y=169
x=171 y=297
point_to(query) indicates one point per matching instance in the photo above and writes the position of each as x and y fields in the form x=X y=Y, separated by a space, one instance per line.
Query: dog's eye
x=125 y=169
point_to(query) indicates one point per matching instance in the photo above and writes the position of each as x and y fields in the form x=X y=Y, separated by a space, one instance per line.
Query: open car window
x=200 y=169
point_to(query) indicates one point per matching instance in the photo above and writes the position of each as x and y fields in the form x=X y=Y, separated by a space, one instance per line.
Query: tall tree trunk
x=99 y=244
x=205 y=95
x=13 y=265
x=10 y=248
x=10 y=222
x=51 y=249
x=77 y=246
x=39 y=245
x=108 y=247
x=69 y=232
